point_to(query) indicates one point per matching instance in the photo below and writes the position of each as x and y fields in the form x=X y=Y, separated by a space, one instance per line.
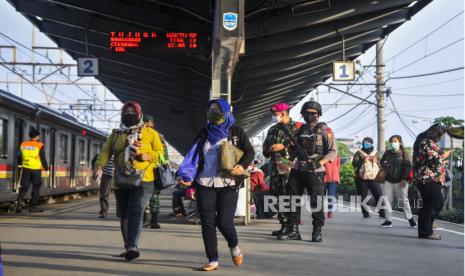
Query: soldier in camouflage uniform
x=276 y=147
x=153 y=207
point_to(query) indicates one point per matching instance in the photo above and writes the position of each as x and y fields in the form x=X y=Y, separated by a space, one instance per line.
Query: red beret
x=279 y=107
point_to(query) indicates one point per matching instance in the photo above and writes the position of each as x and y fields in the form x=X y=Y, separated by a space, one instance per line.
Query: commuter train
x=69 y=146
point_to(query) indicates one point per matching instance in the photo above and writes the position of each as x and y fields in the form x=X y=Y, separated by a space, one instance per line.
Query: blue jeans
x=131 y=207
x=331 y=189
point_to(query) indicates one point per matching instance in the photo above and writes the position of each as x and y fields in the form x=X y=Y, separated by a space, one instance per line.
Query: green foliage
x=347 y=185
x=449 y=121
x=343 y=150
x=452 y=215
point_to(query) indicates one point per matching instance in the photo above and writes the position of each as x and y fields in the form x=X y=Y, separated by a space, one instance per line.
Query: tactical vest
x=313 y=141
x=30 y=155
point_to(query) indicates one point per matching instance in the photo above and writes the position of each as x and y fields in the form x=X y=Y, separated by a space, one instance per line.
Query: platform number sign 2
x=87 y=67
x=343 y=71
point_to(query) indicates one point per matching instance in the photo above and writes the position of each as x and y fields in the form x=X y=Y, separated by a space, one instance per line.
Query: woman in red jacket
x=331 y=181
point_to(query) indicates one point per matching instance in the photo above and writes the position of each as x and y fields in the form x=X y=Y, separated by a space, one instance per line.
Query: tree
x=343 y=150
x=449 y=121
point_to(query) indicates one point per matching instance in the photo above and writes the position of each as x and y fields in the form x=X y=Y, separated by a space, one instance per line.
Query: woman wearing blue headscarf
x=216 y=195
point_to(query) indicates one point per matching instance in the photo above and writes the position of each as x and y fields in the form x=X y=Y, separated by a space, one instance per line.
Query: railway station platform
x=69 y=239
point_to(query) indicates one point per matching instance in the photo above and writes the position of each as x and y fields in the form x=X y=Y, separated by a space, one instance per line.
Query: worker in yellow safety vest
x=32 y=160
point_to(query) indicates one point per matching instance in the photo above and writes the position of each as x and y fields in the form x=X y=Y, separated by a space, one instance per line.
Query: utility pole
x=380 y=94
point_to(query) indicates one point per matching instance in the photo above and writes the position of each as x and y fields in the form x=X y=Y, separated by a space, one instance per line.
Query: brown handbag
x=230 y=157
x=381 y=176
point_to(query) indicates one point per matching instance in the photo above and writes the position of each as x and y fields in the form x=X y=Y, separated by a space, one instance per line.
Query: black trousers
x=363 y=186
x=29 y=177
x=277 y=189
x=105 y=189
x=176 y=201
x=313 y=182
x=432 y=201
x=217 y=207
x=258 y=198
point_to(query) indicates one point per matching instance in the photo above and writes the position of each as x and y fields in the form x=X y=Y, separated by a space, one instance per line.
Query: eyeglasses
x=214 y=109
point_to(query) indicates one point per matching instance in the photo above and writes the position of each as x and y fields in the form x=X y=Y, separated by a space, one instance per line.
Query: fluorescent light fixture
x=412 y=4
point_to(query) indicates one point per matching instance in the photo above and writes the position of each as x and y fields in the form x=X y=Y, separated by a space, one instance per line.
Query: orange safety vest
x=30 y=155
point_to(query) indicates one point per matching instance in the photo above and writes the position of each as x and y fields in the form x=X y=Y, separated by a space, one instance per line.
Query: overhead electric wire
x=51 y=62
x=353 y=120
x=360 y=76
x=435 y=95
x=427 y=55
x=409 y=131
x=426 y=36
x=429 y=84
x=426 y=74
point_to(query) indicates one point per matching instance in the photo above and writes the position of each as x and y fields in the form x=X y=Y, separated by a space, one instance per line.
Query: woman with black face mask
x=429 y=170
x=135 y=148
x=216 y=195
x=366 y=165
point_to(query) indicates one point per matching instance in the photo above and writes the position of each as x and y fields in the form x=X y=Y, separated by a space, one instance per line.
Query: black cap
x=368 y=139
x=147 y=118
x=33 y=133
x=311 y=105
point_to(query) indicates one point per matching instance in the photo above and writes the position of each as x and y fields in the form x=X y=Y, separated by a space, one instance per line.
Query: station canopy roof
x=289 y=49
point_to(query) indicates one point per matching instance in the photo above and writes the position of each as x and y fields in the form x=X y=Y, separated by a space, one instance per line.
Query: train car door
x=18 y=138
x=73 y=167
x=52 y=158
x=6 y=158
x=45 y=139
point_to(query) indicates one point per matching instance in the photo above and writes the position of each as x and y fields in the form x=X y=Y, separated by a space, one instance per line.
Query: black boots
x=316 y=234
x=18 y=207
x=281 y=231
x=292 y=233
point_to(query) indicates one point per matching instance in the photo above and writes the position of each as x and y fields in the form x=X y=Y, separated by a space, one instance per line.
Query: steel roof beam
x=340 y=10
x=118 y=10
x=301 y=63
x=305 y=51
x=324 y=31
x=168 y=70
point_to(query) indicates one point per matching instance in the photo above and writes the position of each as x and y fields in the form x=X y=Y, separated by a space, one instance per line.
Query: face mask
x=276 y=119
x=215 y=117
x=366 y=145
x=395 y=146
x=310 y=117
x=130 y=119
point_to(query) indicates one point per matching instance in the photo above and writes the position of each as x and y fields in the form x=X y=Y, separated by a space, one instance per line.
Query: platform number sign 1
x=343 y=71
x=87 y=67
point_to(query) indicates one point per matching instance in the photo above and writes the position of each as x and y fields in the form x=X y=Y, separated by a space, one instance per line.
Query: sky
x=418 y=100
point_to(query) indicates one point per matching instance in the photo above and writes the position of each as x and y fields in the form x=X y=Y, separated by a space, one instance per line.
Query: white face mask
x=276 y=119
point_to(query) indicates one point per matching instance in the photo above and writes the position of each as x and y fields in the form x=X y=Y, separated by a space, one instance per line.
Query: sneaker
x=432 y=237
x=210 y=266
x=155 y=226
x=330 y=215
x=412 y=222
x=366 y=215
x=386 y=224
x=132 y=254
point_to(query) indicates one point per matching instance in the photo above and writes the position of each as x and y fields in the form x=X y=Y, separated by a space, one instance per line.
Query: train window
x=82 y=152
x=3 y=137
x=64 y=148
x=96 y=149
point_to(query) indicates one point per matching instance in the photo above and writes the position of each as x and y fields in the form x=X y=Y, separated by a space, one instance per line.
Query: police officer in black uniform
x=315 y=146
